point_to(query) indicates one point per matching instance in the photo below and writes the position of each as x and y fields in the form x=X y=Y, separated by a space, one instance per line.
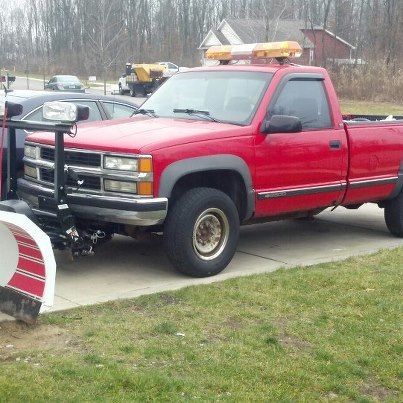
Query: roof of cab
x=269 y=67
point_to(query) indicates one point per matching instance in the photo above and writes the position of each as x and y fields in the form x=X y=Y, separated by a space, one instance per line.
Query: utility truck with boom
x=212 y=149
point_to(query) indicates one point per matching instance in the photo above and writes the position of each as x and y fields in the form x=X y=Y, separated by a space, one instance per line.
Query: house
x=318 y=44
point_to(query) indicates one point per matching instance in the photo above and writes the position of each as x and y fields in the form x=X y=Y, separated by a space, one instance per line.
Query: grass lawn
x=332 y=331
x=370 y=107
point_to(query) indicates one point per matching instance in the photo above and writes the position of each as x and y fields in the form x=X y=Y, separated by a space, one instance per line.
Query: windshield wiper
x=148 y=112
x=198 y=113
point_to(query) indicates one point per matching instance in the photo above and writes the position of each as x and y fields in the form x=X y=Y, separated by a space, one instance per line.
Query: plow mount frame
x=30 y=288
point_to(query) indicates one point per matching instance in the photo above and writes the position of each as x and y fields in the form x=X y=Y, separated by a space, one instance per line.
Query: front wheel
x=121 y=92
x=201 y=232
x=394 y=215
x=132 y=92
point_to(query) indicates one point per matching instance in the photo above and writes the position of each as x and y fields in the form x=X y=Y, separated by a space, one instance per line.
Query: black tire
x=132 y=92
x=121 y=92
x=394 y=215
x=196 y=209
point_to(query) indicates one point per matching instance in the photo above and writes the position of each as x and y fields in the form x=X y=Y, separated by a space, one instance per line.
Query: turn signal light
x=145 y=188
x=145 y=165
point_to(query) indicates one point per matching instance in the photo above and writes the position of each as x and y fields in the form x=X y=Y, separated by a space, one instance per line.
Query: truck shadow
x=289 y=242
x=125 y=268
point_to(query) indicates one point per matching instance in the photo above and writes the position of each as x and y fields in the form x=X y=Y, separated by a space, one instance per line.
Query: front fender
x=175 y=171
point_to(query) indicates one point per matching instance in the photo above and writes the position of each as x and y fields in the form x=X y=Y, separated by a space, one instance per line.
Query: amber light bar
x=285 y=49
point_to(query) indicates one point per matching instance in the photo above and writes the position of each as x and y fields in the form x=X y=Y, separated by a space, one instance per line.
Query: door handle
x=335 y=144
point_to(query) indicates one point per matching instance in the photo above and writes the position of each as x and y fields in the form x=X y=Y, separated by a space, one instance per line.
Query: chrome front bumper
x=130 y=211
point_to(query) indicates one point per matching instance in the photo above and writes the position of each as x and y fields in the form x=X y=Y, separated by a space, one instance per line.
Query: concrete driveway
x=125 y=268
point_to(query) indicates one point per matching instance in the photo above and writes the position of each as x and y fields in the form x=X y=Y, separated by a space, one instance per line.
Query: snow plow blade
x=27 y=268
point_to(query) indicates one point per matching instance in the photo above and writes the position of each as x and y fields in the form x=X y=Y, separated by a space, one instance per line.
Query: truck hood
x=142 y=134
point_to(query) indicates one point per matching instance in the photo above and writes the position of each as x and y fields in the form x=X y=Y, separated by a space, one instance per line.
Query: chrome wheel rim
x=210 y=234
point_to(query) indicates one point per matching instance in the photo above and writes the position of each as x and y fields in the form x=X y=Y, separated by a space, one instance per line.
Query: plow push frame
x=27 y=265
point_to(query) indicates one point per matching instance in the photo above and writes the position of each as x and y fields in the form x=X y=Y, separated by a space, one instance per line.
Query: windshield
x=68 y=79
x=228 y=96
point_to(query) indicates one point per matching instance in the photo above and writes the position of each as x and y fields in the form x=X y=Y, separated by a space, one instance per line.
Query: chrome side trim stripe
x=301 y=191
x=373 y=182
x=275 y=194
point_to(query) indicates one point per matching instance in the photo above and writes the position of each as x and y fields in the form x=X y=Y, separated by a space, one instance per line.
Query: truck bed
x=353 y=118
x=375 y=164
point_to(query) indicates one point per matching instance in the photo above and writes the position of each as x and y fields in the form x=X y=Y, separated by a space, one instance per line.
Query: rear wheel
x=201 y=232
x=394 y=215
x=132 y=92
x=121 y=92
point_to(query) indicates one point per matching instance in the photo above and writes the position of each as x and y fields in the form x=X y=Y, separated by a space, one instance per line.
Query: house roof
x=248 y=30
x=289 y=30
x=318 y=28
x=254 y=30
x=221 y=37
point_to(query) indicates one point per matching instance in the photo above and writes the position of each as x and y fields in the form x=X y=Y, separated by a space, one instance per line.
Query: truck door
x=300 y=171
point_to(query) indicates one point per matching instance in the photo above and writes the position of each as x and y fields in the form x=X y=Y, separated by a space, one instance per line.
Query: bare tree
x=106 y=34
x=84 y=36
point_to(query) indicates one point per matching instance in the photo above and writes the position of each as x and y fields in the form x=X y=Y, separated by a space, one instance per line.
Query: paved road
x=127 y=268
x=37 y=85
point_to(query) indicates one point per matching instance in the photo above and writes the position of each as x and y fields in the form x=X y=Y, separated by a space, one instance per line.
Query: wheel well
x=229 y=182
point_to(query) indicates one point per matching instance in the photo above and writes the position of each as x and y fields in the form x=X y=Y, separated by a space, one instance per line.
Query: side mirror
x=281 y=124
x=11 y=108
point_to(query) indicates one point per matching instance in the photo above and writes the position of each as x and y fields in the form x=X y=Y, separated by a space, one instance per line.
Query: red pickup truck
x=217 y=147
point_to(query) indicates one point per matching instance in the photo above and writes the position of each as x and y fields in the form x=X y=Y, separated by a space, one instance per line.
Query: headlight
x=120 y=186
x=121 y=163
x=30 y=151
x=30 y=171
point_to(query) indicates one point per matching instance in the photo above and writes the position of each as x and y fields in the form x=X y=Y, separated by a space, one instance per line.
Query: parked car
x=65 y=83
x=171 y=68
x=101 y=108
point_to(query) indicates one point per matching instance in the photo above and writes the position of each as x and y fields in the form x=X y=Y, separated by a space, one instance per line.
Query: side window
x=35 y=116
x=95 y=114
x=172 y=66
x=305 y=99
x=117 y=111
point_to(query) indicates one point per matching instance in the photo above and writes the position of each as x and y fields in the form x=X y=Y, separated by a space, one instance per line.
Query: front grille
x=90 y=182
x=73 y=157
